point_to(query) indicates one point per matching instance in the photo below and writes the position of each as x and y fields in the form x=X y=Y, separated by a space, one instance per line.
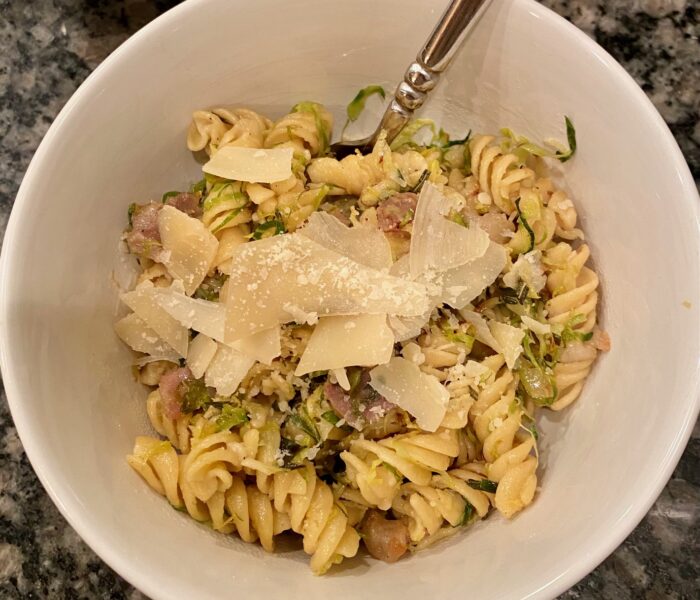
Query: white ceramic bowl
x=121 y=139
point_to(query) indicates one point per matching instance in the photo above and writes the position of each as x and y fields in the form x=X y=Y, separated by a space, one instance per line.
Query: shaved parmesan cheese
x=263 y=346
x=421 y=395
x=268 y=276
x=189 y=247
x=475 y=374
x=133 y=330
x=405 y=328
x=201 y=315
x=438 y=244
x=144 y=302
x=481 y=329
x=341 y=377
x=464 y=283
x=510 y=339
x=209 y=318
x=365 y=245
x=251 y=164
x=202 y=350
x=347 y=341
x=536 y=326
x=227 y=369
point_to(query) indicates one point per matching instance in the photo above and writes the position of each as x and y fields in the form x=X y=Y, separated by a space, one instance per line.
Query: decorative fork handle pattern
x=434 y=57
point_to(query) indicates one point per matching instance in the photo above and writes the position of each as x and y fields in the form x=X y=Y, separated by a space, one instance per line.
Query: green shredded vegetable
x=199 y=187
x=569 y=334
x=168 y=195
x=357 y=105
x=231 y=416
x=130 y=213
x=268 y=229
x=331 y=417
x=526 y=225
x=484 y=485
x=467 y=515
x=421 y=180
x=194 y=395
x=211 y=287
x=405 y=137
x=521 y=146
x=459 y=337
x=315 y=109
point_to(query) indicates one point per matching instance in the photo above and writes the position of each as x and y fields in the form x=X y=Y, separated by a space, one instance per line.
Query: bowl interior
x=121 y=139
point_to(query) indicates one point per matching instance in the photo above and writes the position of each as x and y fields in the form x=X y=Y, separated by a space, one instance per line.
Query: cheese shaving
x=227 y=369
x=200 y=354
x=144 y=302
x=421 y=395
x=254 y=165
x=347 y=341
x=271 y=275
x=363 y=244
x=510 y=339
x=133 y=330
x=189 y=247
x=438 y=244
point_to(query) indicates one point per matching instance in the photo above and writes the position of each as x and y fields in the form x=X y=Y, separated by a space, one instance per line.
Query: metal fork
x=422 y=75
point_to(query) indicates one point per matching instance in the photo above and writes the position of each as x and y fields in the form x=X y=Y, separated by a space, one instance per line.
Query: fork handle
x=433 y=58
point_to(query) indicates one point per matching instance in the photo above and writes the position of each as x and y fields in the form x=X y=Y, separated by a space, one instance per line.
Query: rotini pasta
x=392 y=398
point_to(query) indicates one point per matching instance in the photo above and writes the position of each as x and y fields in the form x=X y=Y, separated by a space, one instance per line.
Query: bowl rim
x=137 y=574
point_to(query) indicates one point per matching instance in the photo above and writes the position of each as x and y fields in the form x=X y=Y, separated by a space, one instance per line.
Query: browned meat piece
x=144 y=237
x=386 y=540
x=361 y=406
x=187 y=202
x=169 y=393
x=396 y=211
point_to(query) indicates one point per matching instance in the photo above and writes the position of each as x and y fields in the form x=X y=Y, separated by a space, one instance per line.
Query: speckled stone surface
x=47 y=48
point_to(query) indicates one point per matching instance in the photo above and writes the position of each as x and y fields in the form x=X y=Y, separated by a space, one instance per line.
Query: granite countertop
x=48 y=47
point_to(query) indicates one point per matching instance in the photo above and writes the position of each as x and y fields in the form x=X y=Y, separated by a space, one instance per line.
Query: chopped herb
x=302 y=421
x=231 y=416
x=355 y=108
x=169 y=195
x=194 y=395
x=269 y=229
x=484 y=485
x=130 y=213
x=331 y=417
x=467 y=515
x=526 y=225
x=464 y=140
x=421 y=180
